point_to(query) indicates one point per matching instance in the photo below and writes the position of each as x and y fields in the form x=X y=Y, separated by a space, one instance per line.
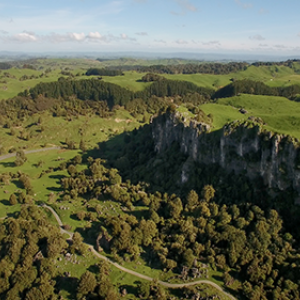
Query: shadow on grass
x=68 y=284
x=129 y=289
x=5 y=202
x=218 y=278
x=8 y=164
x=30 y=125
x=55 y=189
x=58 y=177
x=74 y=217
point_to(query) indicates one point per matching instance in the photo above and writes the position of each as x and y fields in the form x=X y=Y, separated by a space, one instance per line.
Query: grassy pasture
x=10 y=87
x=280 y=114
x=92 y=129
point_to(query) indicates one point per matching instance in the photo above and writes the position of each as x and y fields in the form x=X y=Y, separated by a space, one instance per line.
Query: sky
x=196 y=26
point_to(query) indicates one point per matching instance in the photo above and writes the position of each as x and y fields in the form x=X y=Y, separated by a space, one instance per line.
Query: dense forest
x=5 y=66
x=215 y=224
x=256 y=88
x=103 y=72
x=288 y=63
x=205 y=68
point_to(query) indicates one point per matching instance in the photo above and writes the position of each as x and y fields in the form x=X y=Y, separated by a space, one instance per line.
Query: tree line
x=247 y=86
x=103 y=72
x=204 y=68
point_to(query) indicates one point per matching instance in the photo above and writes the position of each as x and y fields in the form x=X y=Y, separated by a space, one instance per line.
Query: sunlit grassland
x=270 y=75
x=130 y=80
x=279 y=114
x=92 y=129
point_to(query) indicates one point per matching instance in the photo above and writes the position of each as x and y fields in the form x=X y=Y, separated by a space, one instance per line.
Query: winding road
x=92 y=249
x=139 y=275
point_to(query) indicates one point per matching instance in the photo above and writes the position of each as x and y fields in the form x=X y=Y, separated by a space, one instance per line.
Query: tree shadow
x=68 y=284
x=129 y=289
x=58 y=176
x=55 y=189
x=5 y=202
x=31 y=125
x=8 y=164
x=218 y=278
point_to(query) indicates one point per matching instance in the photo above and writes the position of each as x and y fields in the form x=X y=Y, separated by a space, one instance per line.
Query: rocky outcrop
x=243 y=147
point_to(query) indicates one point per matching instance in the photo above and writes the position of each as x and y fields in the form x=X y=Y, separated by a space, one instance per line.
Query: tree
x=21 y=154
x=77 y=159
x=40 y=163
x=192 y=200
x=81 y=215
x=72 y=170
x=13 y=199
x=188 y=257
x=78 y=244
x=208 y=192
x=143 y=290
x=175 y=208
x=82 y=146
x=25 y=181
x=86 y=285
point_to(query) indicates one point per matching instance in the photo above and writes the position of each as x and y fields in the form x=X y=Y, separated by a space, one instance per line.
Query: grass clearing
x=280 y=114
x=56 y=130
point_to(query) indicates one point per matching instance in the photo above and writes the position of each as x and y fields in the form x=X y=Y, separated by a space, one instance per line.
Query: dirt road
x=139 y=275
x=2 y=157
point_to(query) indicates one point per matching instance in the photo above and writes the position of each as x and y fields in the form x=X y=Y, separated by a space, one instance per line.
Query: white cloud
x=160 y=41
x=244 y=5
x=212 y=43
x=95 y=35
x=263 y=11
x=77 y=36
x=280 y=46
x=257 y=37
x=55 y=38
x=23 y=37
x=181 y=42
x=61 y=38
x=186 y=6
x=141 y=33
x=3 y=32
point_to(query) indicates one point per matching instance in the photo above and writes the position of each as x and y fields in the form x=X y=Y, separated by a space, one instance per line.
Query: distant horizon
x=218 y=26
x=146 y=55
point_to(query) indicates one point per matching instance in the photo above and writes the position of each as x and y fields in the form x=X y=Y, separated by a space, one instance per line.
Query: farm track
x=2 y=157
x=139 y=275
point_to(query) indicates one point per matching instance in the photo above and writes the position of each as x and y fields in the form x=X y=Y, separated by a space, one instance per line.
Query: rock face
x=242 y=147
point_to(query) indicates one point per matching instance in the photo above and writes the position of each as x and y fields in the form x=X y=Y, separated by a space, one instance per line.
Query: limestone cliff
x=240 y=146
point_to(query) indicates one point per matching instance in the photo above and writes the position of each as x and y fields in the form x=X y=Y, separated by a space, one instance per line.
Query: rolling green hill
x=278 y=113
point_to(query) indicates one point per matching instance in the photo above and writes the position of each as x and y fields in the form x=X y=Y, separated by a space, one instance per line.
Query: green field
x=278 y=113
x=56 y=130
x=10 y=87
